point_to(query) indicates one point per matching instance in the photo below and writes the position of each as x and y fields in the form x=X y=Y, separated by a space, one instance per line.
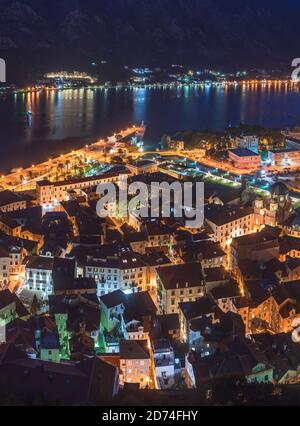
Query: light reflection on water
x=69 y=118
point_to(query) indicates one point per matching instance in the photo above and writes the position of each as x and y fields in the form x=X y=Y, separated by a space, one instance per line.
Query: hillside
x=52 y=33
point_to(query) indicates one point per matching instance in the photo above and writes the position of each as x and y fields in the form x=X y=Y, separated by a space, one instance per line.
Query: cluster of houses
x=146 y=302
x=246 y=154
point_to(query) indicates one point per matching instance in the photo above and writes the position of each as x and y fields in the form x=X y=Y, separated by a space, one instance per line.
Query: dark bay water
x=66 y=119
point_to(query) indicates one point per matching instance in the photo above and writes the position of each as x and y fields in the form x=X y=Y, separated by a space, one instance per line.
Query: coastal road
x=22 y=179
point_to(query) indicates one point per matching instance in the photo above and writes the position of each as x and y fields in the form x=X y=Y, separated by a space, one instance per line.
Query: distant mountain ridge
x=231 y=33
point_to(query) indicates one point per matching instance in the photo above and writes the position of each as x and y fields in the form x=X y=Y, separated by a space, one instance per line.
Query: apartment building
x=127 y=272
x=4 y=268
x=228 y=223
x=48 y=193
x=38 y=274
x=243 y=158
x=135 y=363
x=10 y=226
x=178 y=284
x=10 y=201
x=247 y=141
x=285 y=157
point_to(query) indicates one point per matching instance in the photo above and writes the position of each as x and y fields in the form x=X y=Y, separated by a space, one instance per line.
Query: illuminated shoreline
x=162 y=85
